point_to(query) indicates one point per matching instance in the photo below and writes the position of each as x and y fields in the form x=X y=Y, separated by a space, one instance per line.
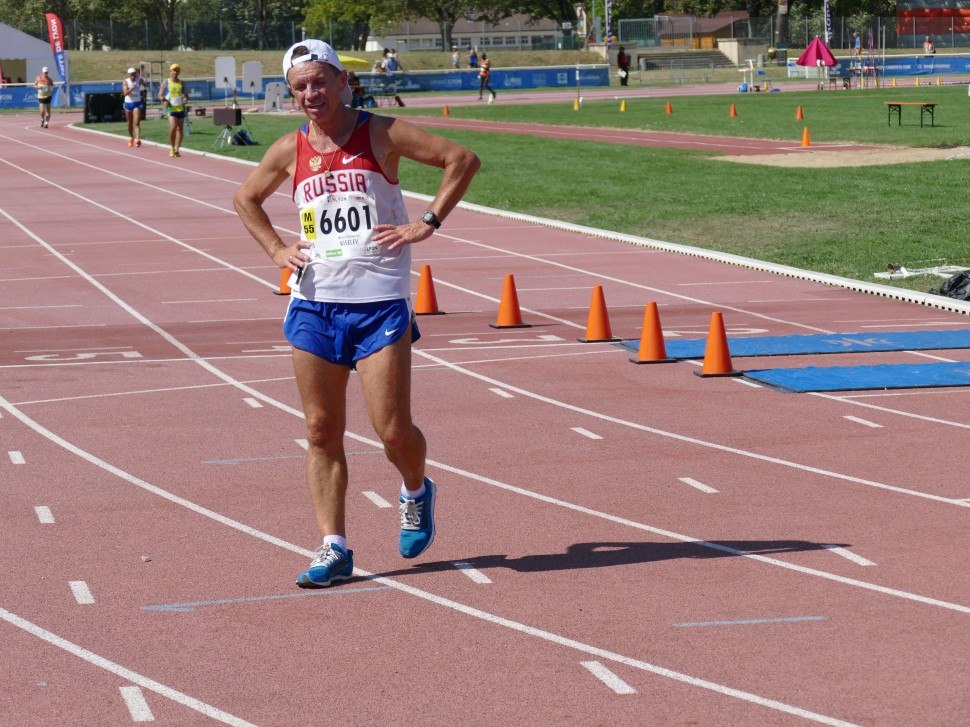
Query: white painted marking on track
x=448 y=603
x=501 y=392
x=16 y=457
x=698 y=485
x=82 y=594
x=923 y=354
x=752 y=384
x=137 y=704
x=44 y=515
x=303 y=443
x=607 y=677
x=848 y=554
x=472 y=572
x=253 y=402
x=585 y=433
x=99 y=661
x=214 y=300
x=847 y=399
x=376 y=499
x=863 y=422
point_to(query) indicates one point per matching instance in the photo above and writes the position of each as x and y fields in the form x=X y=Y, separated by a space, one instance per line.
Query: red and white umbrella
x=817 y=54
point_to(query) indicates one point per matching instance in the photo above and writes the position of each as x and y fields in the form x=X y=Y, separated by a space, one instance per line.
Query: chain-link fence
x=901 y=32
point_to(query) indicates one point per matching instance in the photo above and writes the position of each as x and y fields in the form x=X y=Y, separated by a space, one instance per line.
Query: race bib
x=339 y=227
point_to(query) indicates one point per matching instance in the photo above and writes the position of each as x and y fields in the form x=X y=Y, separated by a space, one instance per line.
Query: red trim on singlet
x=357 y=151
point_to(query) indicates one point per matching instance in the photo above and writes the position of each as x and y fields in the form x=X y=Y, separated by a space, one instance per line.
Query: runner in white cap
x=45 y=94
x=133 y=88
x=351 y=305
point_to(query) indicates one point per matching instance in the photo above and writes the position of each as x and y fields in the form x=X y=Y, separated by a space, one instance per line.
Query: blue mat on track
x=820 y=343
x=860 y=378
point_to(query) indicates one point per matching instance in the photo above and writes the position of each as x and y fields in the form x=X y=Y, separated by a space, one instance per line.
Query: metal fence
x=687 y=32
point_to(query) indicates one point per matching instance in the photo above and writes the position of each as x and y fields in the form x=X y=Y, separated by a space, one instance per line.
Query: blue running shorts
x=132 y=105
x=344 y=333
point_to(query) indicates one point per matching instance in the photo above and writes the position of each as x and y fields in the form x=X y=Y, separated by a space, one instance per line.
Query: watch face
x=431 y=219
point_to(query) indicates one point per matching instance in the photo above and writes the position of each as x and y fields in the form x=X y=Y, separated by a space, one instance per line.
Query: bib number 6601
x=345 y=220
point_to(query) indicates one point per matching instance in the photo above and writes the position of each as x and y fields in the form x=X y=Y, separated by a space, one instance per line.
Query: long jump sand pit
x=854 y=158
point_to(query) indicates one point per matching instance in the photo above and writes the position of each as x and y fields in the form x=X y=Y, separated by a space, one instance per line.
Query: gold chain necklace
x=327 y=172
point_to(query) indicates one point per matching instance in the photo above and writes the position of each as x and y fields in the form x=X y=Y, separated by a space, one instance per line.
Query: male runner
x=45 y=92
x=351 y=304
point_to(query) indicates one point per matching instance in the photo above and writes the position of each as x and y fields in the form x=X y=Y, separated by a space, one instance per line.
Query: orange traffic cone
x=598 y=323
x=669 y=110
x=806 y=139
x=446 y=111
x=652 y=348
x=284 y=283
x=426 y=303
x=734 y=111
x=798 y=114
x=717 y=357
x=509 y=315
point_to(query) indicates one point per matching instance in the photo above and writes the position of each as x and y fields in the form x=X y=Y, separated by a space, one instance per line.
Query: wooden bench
x=897 y=106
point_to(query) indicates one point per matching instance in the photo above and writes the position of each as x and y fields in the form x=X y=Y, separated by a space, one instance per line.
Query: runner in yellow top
x=173 y=96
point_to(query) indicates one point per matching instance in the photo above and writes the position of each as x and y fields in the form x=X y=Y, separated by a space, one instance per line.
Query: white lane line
x=218 y=373
x=472 y=572
x=376 y=499
x=448 y=603
x=303 y=443
x=848 y=554
x=99 y=661
x=683 y=437
x=215 y=300
x=699 y=485
x=608 y=678
x=585 y=433
x=852 y=399
x=923 y=354
x=253 y=402
x=747 y=621
x=44 y=515
x=82 y=594
x=502 y=393
x=137 y=705
x=863 y=422
x=16 y=457
x=752 y=384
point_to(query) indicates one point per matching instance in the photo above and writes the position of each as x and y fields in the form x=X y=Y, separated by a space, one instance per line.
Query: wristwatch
x=430 y=218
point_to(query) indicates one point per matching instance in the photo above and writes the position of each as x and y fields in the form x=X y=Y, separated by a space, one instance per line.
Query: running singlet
x=132 y=90
x=45 y=91
x=340 y=197
x=174 y=96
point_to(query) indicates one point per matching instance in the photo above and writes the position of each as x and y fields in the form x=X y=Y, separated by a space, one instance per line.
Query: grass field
x=846 y=221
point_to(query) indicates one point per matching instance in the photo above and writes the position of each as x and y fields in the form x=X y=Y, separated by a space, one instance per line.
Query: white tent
x=22 y=56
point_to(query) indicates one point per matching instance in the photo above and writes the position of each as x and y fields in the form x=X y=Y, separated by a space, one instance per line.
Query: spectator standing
x=473 y=58
x=928 y=47
x=45 y=94
x=484 y=74
x=455 y=57
x=623 y=62
x=857 y=44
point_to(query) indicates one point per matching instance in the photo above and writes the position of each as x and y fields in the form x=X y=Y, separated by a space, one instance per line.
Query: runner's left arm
x=395 y=139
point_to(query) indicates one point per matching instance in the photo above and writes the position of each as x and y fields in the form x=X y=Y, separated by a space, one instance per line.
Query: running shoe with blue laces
x=417 y=522
x=331 y=563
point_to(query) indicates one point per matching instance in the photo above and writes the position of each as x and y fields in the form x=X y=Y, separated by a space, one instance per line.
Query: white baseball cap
x=316 y=50
x=44 y=69
x=132 y=70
